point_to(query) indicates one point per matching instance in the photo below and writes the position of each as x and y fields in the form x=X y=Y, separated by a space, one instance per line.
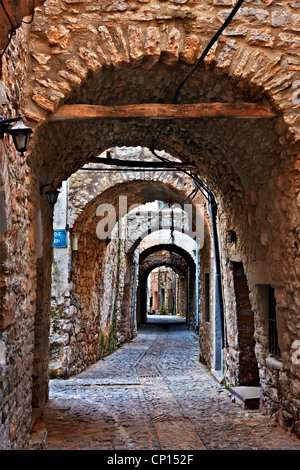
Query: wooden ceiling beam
x=142 y=164
x=164 y=111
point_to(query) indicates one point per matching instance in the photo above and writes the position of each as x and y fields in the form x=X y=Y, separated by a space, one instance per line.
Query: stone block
x=297 y=429
x=223 y=2
x=249 y=397
x=262 y=37
x=38 y=437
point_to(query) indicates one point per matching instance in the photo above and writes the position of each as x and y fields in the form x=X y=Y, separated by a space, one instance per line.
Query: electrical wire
x=13 y=29
x=194 y=192
x=199 y=184
x=32 y=17
x=199 y=62
x=12 y=32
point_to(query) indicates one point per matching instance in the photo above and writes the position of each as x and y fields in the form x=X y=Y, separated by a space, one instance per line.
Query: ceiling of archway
x=137 y=191
x=157 y=84
x=125 y=54
x=180 y=269
x=231 y=154
x=164 y=250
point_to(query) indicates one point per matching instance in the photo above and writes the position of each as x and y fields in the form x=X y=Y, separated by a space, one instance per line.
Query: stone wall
x=267 y=263
x=80 y=53
x=86 y=329
x=12 y=14
x=93 y=287
x=17 y=274
x=206 y=328
x=182 y=301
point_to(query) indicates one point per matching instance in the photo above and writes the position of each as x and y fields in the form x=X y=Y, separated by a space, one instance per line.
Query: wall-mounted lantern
x=19 y=132
x=51 y=194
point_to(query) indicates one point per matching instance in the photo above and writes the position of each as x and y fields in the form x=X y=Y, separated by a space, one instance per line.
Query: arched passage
x=165 y=255
x=166 y=294
x=99 y=273
x=230 y=156
x=221 y=150
x=223 y=179
x=252 y=169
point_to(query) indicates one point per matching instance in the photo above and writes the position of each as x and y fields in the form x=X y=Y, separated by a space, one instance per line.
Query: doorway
x=248 y=368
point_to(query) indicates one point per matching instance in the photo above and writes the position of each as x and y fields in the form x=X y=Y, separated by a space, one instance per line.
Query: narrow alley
x=153 y=394
x=149 y=225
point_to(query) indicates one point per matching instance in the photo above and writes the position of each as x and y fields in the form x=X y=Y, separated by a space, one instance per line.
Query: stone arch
x=72 y=52
x=181 y=273
x=175 y=248
x=257 y=65
x=80 y=55
x=96 y=286
x=137 y=192
x=180 y=140
x=250 y=166
x=143 y=232
x=230 y=180
x=89 y=182
x=159 y=255
x=165 y=261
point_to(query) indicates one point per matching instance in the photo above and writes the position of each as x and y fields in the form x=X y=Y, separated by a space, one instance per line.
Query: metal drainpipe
x=187 y=297
x=133 y=315
x=213 y=215
x=175 y=294
x=158 y=289
x=197 y=288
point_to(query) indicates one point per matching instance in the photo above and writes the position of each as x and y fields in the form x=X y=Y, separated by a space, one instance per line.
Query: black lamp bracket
x=43 y=186
x=5 y=125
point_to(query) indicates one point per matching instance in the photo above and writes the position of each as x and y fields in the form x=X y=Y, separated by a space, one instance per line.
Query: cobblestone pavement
x=153 y=394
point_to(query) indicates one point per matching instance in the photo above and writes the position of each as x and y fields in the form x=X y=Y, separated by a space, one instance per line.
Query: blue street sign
x=60 y=239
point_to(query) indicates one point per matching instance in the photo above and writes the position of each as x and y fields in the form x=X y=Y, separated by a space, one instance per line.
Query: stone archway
x=116 y=37
x=160 y=255
x=226 y=178
x=174 y=219
x=166 y=295
x=98 y=274
x=209 y=141
x=251 y=167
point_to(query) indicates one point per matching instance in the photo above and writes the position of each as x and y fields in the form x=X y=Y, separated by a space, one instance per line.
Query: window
x=207 y=296
x=273 y=336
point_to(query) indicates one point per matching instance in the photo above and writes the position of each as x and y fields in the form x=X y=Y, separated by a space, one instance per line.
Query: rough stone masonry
x=128 y=52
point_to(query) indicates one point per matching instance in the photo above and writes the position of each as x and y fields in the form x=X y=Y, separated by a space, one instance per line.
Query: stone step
x=249 y=397
x=38 y=437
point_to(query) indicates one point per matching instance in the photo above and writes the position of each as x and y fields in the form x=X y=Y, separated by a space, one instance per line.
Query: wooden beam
x=164 y=111
x=141 y=164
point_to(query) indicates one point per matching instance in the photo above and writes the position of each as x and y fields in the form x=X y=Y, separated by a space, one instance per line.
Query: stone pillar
x=62 y=253
x=60 y=289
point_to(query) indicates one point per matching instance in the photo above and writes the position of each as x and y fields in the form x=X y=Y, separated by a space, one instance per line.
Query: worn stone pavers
x=220 y=423
x=154 y=394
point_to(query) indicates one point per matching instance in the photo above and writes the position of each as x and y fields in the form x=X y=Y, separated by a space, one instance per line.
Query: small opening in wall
x=274 y=349
x=206 y=295
x=230 y=236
